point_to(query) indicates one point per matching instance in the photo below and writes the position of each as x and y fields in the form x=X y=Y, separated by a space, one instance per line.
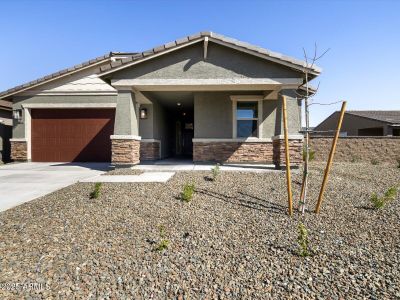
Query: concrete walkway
x=171 y=164
x=144 y=177
x=23 y=182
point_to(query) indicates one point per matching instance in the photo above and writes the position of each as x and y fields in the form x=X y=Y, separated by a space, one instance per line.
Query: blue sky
x=363 y=65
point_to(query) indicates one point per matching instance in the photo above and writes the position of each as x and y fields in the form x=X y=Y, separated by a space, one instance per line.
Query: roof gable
x=207 y=37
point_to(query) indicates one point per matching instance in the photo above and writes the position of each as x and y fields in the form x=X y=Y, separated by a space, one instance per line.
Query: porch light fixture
x=143 y=113
x=179 y=104
x=17 y=115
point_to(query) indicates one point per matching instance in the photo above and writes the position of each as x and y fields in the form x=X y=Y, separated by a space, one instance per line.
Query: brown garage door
x=72 y=135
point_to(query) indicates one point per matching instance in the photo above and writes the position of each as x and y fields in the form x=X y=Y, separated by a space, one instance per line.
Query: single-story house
x=5 y=130
x=205 y=96
x=362 y=123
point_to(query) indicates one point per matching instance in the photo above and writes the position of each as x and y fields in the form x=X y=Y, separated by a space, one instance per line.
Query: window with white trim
x=246 y=119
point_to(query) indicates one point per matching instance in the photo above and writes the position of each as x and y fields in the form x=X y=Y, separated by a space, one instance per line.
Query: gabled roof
x=90 y=63
x=213 y=37
x=387 y=116
x=109 y=64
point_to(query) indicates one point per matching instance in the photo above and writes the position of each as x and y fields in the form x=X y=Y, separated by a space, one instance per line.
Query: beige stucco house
x=205 y=97
x=362 y=123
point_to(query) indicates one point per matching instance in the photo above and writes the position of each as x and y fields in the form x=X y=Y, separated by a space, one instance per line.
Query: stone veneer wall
x=351 y=149
x=125 y=151
x=261 y=152
x=295 y=152
x=149 y=150
x=19 y=150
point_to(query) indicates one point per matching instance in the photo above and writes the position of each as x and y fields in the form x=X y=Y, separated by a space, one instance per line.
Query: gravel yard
x=124 y=171
x=234 y=240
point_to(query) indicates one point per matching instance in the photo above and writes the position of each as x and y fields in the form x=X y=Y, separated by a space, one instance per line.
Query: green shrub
x=302 y=241
x=96 y=192
x=379 y=202
x=187 y=193
x=374 y=161
x=215 y=172
x=391 y=193
x=311 y=154
x=163 y=243
x=355 y=158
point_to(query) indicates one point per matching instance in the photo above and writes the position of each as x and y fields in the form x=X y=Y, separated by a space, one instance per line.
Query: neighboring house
x=5 y=130
x=362 y=123
x=205 y=96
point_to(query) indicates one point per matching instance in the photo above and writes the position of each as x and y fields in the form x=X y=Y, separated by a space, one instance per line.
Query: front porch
x=204 y=127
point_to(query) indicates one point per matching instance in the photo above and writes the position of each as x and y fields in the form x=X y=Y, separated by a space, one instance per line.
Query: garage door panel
x=71 y=135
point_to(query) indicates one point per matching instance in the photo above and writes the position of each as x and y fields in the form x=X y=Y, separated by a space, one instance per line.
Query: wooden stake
x=330 y=159
x=287 y=159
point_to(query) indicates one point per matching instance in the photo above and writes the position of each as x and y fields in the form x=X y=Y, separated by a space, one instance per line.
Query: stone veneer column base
x=19 y=150
x=125 y=150
x=295 y=152
x=233 y=151
x=149 y=150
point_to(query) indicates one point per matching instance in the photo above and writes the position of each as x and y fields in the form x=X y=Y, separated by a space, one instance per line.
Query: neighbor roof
x=387 y=116
x=111 y=65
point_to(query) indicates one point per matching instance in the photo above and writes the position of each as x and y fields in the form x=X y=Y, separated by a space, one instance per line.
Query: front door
x=184 y=133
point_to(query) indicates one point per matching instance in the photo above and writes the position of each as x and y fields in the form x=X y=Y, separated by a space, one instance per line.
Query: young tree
x=307 y=95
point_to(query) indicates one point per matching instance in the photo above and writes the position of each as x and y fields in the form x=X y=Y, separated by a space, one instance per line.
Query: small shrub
x=215 y=172
x=163 y=243
x=388 y=196
x=391 y=193
x=302 y=241
x=96 y=192
x=355 y=158
x=187 y=193
x=374 y=161
x=398 y=163
x=311 y=154
x=377 y=202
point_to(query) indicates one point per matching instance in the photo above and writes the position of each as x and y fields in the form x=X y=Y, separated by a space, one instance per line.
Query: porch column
x=125 y=143
x=295 y=138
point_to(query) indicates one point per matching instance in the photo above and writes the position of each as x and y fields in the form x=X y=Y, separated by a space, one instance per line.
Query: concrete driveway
x=22 y=182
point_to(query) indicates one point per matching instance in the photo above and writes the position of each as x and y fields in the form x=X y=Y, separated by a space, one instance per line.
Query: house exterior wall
x=351 y=124
x=213 y=116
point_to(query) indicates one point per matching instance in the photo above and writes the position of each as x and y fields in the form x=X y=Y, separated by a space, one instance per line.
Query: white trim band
x=18 y=140
x=125 y=137
x=150 y=141
x=248 y=140
x=290 y=137
x=69 y=105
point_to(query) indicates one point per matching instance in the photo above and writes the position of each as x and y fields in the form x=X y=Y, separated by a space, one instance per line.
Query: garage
x=72 y=135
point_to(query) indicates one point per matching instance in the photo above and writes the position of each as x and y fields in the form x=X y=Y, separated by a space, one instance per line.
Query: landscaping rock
x=233 y=240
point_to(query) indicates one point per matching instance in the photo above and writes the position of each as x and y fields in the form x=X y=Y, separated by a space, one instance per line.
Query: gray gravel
x=124 y=171
x=233 y=241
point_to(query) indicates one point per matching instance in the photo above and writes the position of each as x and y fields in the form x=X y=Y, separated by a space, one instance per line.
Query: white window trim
x=250 y=98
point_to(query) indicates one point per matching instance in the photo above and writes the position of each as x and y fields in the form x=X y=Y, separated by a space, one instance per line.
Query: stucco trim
x=18 y=140
x=69 y=105
x=150 y=141
x=40 y=93
x=290 y=137
x=126 y=137
x=219 y=84
x=248 y=140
